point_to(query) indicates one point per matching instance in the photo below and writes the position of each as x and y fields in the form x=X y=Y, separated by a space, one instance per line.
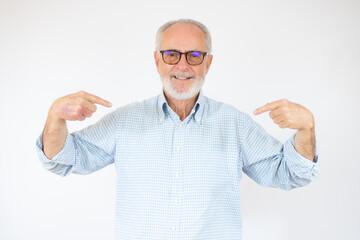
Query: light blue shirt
x=180 y=179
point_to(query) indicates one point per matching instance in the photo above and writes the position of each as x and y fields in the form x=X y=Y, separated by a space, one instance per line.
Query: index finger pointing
x=98 y=100
x=267 y=107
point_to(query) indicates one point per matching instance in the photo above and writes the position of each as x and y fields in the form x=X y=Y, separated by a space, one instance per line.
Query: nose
x=183 y=63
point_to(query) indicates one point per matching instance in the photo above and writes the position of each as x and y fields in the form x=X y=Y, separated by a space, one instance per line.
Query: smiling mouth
x=182 y=78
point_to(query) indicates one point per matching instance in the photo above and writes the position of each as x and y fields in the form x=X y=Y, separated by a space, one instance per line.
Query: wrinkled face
x=183 y=81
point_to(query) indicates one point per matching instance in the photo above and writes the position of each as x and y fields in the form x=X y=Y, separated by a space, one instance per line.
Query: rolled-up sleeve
x=273 y=164
x=301 y=167
x=84 y=151
x=63 y=162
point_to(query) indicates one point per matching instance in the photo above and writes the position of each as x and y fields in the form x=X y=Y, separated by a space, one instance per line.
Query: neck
x=181 y=107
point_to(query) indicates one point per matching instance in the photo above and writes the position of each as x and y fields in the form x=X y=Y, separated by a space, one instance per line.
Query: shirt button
x=176 y=201
x=161 y=119
x=176 y=175
x=173 y=228
x=180 y=125
x=198 y=119
x=178 y=148
x=315 y=173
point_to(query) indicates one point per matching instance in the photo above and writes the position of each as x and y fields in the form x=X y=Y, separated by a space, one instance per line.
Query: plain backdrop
x=306 y=51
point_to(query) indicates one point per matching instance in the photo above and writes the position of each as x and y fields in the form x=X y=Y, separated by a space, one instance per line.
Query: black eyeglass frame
x=186 y=56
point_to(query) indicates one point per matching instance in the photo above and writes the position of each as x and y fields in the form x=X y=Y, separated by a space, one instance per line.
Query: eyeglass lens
x=192 y=57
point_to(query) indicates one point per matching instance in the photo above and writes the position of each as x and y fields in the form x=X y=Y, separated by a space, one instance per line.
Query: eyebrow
x=181 y=51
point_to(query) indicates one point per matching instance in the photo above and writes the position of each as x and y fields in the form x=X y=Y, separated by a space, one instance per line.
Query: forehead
x=183 y=37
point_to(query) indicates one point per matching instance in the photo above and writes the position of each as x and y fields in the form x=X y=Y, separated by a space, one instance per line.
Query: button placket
x=177 y=181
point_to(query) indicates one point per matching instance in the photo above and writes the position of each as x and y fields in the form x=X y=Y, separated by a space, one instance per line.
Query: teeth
x=181 y=78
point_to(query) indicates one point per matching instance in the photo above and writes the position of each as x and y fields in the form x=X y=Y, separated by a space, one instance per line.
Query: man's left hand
x=287 y=114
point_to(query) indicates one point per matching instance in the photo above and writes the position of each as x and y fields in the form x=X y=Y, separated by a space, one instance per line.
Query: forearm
x=54 y=136
x=305 y=143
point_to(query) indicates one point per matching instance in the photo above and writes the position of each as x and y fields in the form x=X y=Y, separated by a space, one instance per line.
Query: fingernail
x=109 y=104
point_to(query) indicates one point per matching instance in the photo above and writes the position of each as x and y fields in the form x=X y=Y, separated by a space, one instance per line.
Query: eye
x=196 y=54
x=171 y=53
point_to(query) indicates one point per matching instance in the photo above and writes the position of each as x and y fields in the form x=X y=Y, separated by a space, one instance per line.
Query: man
x=179 y=156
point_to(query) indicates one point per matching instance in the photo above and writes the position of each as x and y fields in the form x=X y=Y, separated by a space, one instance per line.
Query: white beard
x=190 y=93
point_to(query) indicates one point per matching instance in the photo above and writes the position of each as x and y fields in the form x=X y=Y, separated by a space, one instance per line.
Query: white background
x=306 y=51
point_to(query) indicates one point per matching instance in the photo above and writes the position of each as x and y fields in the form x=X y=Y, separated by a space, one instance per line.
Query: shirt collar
x=196 y=112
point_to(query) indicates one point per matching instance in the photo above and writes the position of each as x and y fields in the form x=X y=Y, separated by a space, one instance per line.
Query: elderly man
x=179 y=156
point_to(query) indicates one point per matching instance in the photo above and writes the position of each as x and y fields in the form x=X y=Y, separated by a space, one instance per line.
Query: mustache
x=182 y=74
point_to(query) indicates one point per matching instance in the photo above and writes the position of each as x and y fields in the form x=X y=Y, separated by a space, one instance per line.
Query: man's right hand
x=77 y=106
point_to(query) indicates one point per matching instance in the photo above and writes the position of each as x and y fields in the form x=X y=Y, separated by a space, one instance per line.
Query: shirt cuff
x=66 y=156
x=298 y=163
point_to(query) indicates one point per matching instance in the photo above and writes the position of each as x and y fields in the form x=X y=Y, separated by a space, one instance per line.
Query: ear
x=157 y=59
x=208 y=63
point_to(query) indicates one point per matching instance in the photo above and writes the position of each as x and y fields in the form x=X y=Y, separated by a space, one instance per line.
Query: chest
x=202 y=157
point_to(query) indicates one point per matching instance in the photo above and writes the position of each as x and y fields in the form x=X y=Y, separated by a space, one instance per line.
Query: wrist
x=307 y=129
x=54 y=117
x=310 y=124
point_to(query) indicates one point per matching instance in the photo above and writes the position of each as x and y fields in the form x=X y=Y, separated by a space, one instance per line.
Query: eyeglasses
x=193 y=58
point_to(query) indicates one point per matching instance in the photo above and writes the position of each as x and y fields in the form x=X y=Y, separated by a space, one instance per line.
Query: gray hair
x=190 y=21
